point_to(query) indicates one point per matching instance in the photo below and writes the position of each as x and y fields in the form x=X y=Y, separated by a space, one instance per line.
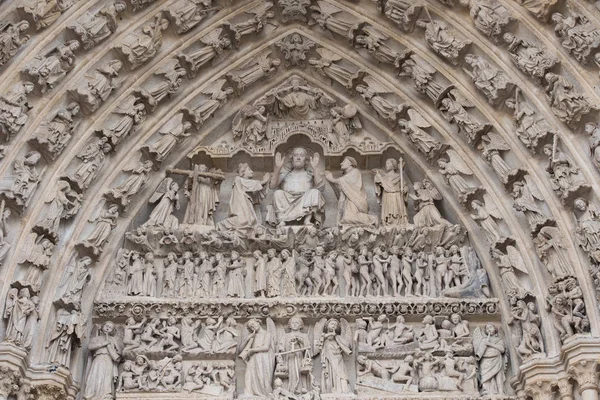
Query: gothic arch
x=382 y=46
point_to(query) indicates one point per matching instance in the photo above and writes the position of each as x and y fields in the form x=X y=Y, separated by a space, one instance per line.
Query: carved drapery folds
x=357 y=217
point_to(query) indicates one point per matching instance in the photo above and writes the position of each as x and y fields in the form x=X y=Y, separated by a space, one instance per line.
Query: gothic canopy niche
x=305 y=199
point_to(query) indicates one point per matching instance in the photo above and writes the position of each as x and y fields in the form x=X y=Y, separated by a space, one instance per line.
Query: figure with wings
x=493 y=144
x=256 y=23
x=106 y=221
x=97 y=85
x=94 y=28
x=391 y=192
x=564 y=174
x=250 y=125
x=326 y=65
x=136 y=180
x=257 y=350
x=128 y=115
x=453 y=170
x=215 y=46
x=139 y=47
x=168 y=82
x=423 y=200
x=12 y=37
x=186 y=14
x=422 y=75
x=253 y=70
x=323 y=14
x=52 y=66
x=69 y=331
x=295 y=354
x=371 y=94
x=507 y=263
x=103 y=372
x=374 y=42
x=75 y=279
x=20 y=309
x=64 y=204
x=425 y=143
x=551 y=250
x=217 y=98
x=92 y=159
x=485 y=214
x=588 y=225
x=525 y=193
x=490 y=351
x=167 y=196
x=453 y=110
x=172 y=132
x=333 y=340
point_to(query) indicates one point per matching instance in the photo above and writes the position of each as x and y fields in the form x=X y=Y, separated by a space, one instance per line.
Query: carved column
x=586 y=374
x=565 y=389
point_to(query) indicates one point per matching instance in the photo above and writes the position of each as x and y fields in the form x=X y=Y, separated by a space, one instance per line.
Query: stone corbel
x=10 y=381
x=540 y=390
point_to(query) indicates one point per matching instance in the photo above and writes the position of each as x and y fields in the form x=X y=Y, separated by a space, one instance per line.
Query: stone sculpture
x=12 y=37
x=25 y=180
x=579 y=36
x=55 y=135
x=453 y=170
x=489 y=16
x=490 y=352
x=186 y=14
x=51 y=67
x=92 y=159
x=333 y=341
x=493 y=144
x=530 y=59
x=214 y=49
x=443 y=40
x=137 y=179
x=95 y=28
x=97 y=86
x=454 y=110
x=13 y=109
x=525 y=197
x=491 y=81
x=63 y=205
x=566 y=179
x=106 y=220
x=262 y=66
x=259 y=18
x=567 y=307
x=528 y=322
x=391 y=192
x=167 y=197
x=166 y=83
x=102 y=373
x=566 y=104
x=326 y=65
x=294 y=48
x=22 y=314
x=140 y=47
x=257 y=351
x=532 y=129
x=127 y=117
x=69 y=332
x=413 y=127
x=372 y=94
x=550 y=248
x=45 y=12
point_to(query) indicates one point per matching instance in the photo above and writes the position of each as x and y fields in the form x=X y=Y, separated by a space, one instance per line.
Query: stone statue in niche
x=102 y=373
x=202 y=190
x=485 y=213
x=507 y=262
x=297 y=182
x=423 y=78
x=323 y=14
x=333 y=341
x=443 y=40
x=214 y=49
x=94 y=28
x=175 y=130
x=64 y=204
x=578 y=34
x=25 y=180
x=490 y=81
x=92 y=159
x=566 y=179
x=217 y=98
x=527 y=323
x=257 y=350
x=525 y=195
x=565 y=302
x=255 y=69
x=372 y=92
x=454 y=169
x=12 y=37
x=403 y=13
x=551 y=250
x=171 y=76
x=373 y=41
x=540 y=9
x=45 y=12
x=246 y=193
x=532 y=130
x=489 y=16
x=492 y=144
x=140 y=4
x=345 y=121
x=127 y=117
x=588 y=226
x=294 y=48
x=186 y=14
x=140 y=47
x=106 y=221
x=392 y=192
x=36 y=254
x=294 y=360
x=51 y=67
x=138 y=177
x=423 y=201
x=167 y=196
x=14 y=108
x=453 y=108
x=250 y=125
x=424 y=142
x=97 y=86
x=490 y=351
x=326 y=66
x=69 y=331
x=352 y=205
x=529 y=58
x=76 y=278
x=22 y=314
x=55 y=134
x=294 y=10
x=593 y=130
x=260 y=15
x=566 y=104
x=4 y=216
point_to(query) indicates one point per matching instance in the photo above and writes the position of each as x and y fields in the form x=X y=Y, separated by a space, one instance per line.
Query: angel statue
x=493 y=144
x=37 y=252
x=324 y=15
x=186 y=14
x=391 y=192
x=256 y=23
x=214 y=47
x=137 y=179
x=129 y=114
x=587 y=231
x=257 y=350
x=507 y=263
x=64 y=204
x=294 y=359
x=424 y=142
x=327 y=66
x=525 y=193
x=374 y=42
x=443 y=40
x=92 y=159
x=69 y=330
x=217 y=97
x=74 y=281
x=485 y=214
x=454 y=110
x=21 y=312
x=253 y=70
x=250 y=125
x=371 y=94
x=551 y=250
x=106 y=221
x=333 y=340
x=139 y=47
x=94 y=28
x=490 y=351
x=97 y=86
x=167 y=197
x=103 y=371
x=453 y=170
x=172 y=132
x=423 y=201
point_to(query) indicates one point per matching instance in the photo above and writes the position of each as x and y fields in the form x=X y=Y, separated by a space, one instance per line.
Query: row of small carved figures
x=289 y=274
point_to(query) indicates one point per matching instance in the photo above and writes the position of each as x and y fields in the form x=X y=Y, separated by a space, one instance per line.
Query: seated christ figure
x=297 y=197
